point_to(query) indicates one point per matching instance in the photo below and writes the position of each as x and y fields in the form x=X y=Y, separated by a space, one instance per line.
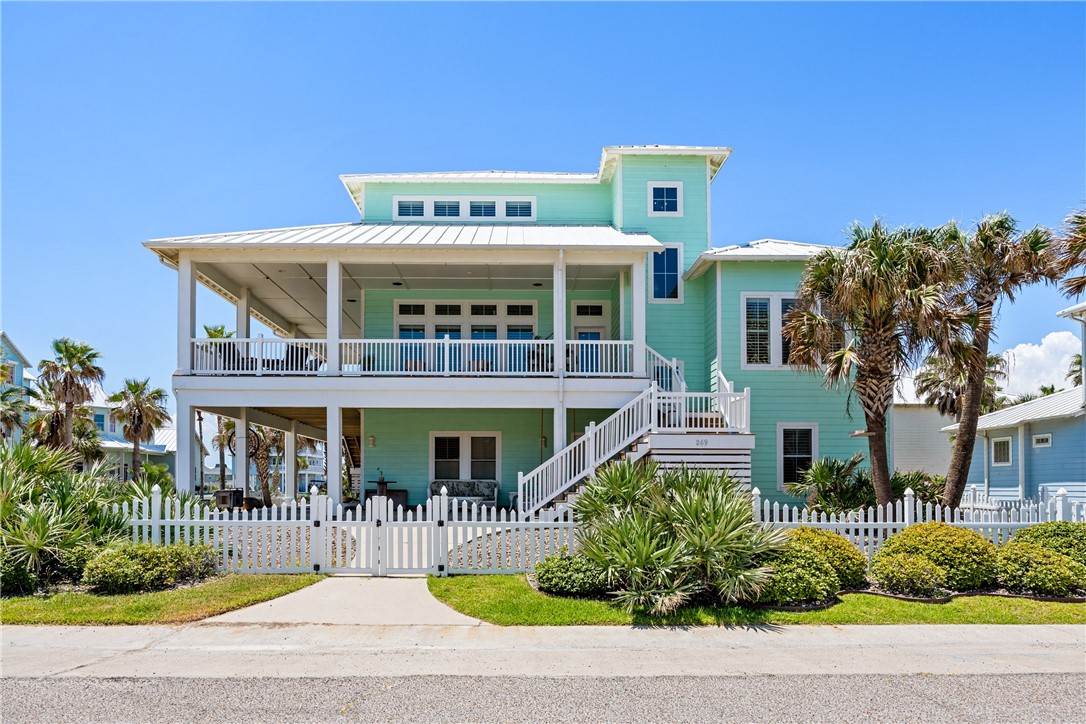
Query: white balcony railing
x=259 y=356
x=447 y=357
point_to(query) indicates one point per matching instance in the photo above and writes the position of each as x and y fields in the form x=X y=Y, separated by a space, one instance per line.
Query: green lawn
x=180 y=605
x=510 y=601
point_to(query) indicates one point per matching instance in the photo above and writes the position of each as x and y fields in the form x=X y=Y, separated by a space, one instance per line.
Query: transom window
x=445 y=310
x=484 y=310
x=480 y=320
x=665 y=198
x=520 y=310
x=1042 y=440
x=762 y=328
x=589 y=310
x=453 y=208
x=1001 y=451
x=412 y=309
x=667 y=274
x=797 y=449
x=465 y=455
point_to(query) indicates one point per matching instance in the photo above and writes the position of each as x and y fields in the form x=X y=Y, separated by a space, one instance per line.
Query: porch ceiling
x=294 y=293
x=311 y=416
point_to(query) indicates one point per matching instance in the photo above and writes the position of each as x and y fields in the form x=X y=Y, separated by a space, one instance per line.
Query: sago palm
x=941 y=382
x=142 y=410
x=998 y=260
x=71 y=374
x=866 y=314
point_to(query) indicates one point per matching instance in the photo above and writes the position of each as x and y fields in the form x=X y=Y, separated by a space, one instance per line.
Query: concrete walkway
x=214 y=650
x=354 y=600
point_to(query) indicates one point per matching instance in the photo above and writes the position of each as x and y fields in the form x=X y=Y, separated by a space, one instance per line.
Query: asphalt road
x=966 y=698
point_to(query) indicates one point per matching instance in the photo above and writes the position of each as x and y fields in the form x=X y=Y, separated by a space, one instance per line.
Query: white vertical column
x=185 y=467
x=622 y=304
x=290 y=461
x=334 y=451
x=334 y=315
x=244 y=310
x=560 y=314
x=186 y=312
x=241 y=452
x=1023 y=431
x=637 y=314
x=560 y=434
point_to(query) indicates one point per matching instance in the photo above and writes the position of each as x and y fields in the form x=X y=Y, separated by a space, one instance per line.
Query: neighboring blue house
x=1033 y=449
x=14 y=369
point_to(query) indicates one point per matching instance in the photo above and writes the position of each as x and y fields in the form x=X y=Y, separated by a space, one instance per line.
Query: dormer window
x=450 y=208
x=447 y=209
x=665 y=198
x=518 y=209
x=410 y=208
x=483 y=209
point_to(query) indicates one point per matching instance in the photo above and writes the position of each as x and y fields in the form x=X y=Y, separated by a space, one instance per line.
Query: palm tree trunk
x=880 y=458
x=69 y=419
x=222 y=453
x=136 y=465
x=969 y=415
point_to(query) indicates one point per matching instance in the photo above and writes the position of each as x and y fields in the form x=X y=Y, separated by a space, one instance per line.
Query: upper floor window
x=518 y=209
x=763 y=342
x=100 y=422
x=484 y=209
x=447 y=208
x=667 y=274
x=410 y=208
x=665 y=198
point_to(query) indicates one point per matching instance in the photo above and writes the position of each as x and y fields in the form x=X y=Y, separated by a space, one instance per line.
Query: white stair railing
x=664 y=372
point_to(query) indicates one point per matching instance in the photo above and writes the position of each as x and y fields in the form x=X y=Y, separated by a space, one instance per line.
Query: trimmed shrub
x=72 y=562
x=847 y=561
x=968 y=560
x=1061 y=536
x=148 y=567
x=16 y=579
x=1027 y=567
x=574 y=575
x=799 y=576
x=908 y=574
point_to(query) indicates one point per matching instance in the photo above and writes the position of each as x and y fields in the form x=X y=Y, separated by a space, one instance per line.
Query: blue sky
x=127 y=122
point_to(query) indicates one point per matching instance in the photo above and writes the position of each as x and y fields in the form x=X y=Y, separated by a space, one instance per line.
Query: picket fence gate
x=379 y=538
x=868 y=528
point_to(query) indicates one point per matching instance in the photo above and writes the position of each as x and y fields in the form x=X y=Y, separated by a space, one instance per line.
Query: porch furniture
x=228 y=498
x=483 y=492
x=398 y=496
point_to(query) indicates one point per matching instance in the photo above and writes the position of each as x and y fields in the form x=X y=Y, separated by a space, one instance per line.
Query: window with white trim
x=459 y=208
x=797 y=449
x=410 y=209
x=762 y=341
x=100 y=422
x=447 y=208
x=667 y=283
x=466 y=319
x=482 y=209
x=1001 y=451
x=465 y=455
x=665 y=198
x=518 y=209
x=1042 y=440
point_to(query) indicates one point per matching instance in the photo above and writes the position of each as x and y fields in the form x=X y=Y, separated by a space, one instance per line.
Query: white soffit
x=760 y=250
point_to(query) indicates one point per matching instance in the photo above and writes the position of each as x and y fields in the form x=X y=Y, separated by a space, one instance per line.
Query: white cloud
x=1033 y=365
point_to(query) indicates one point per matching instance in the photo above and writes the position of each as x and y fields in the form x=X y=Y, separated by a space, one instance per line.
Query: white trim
x=590 y=323
x=617 y=180
x=775 y=326
x=1045 y=439
x=781 y=427
x=651 y=266
x=1010 y=452
x=430 y=319
x=719 y=323
x=708 y=204
x=678 y=185
x=465 y=203
x=465 y=451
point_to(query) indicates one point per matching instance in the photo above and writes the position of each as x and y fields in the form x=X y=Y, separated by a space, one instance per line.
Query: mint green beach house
x=503 y=333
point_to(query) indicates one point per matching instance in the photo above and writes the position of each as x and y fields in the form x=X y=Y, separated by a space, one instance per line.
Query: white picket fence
x=378 y=538
x=868 y=528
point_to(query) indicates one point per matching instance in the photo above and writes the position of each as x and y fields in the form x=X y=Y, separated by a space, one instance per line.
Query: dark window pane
x=519 y=310
x=589 y=310
x=665 y=199
x=446 y=208
x=518 y=209
x=447 y=310
x=757 y=318
x=447 y=458
x=482 y=208
x=484 y=456
x=787 y=305
x=484 y=310
x=412 y=309
x=410 y=208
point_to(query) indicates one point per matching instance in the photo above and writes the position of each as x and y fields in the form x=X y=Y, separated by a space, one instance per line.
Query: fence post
x=910 y=507
x=318 y=507
x=1063 y=509
x=756 y=504
x=156 y=515
x=442 y=536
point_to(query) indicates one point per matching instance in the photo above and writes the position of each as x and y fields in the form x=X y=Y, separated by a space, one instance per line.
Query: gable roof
x=1067 y=403
x=14 y=349
x=759 y=250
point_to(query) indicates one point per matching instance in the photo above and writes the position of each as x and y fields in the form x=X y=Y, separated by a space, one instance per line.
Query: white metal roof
x=1068 y=403
x=538 y=177
x=15 y=350
x=460 y=236
x=1076 y=311
x=760 y=250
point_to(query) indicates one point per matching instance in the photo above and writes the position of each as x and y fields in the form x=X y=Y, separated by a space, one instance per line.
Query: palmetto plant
x=831 y=485
x=665 y=537
x=998 y=261
x=1072 y=254
x=142 y=410
x=71 y=375
x=1074 y=370
x=14 y=407
x=866 y=314
x=941 y=382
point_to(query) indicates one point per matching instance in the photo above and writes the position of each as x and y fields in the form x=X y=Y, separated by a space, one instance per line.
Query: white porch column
x=334 y=452
x=622 y=304
x=290 y=462
x=244 y=311
x=241 y=452
x=334 y=314
x=560 y=314
x=185 y=466
x=560 y=435
x=186 y=312
x=637 y=314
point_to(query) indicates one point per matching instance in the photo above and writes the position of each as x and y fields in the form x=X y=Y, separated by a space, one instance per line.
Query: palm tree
x=222 y=436
x=998 y=260
x=941 y=382
x=141 y=408
x=14 y=406
x=262 y=440
x=864 y=316
x=1073 y=253
x=86 y=441
x=72 y=373
x=46 y=424
x=1074 y=370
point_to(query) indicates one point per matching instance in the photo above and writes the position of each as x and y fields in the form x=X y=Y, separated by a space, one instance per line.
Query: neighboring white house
x=916 y=437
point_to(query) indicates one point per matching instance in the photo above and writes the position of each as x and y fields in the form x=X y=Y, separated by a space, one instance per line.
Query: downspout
x=987 y=467
x=1022 y=460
